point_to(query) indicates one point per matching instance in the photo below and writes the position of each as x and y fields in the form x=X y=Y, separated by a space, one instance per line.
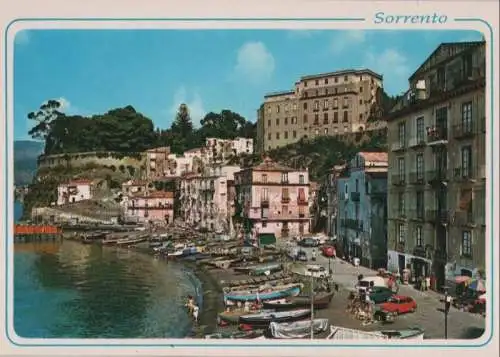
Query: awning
x=266 y=239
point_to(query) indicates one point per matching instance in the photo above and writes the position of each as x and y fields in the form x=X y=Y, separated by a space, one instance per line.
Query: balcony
x=285 y=199
x=463 y=131
x=355 y=196
x=417 y=214
x=417 y=178
x=437 y=216
x=302 y=201
x=417 y=142
x=400 y=247
x=435 y=176
x=302 y=215
x=465 y=218
x=264 y=202
x=463 y=174
x=419 y=251
x=398 y=180
x=437 y=136
x=399 y=146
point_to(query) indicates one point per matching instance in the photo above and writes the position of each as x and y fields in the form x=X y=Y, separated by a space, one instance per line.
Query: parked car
x=328 y=251
x=308 y=242
x=380 y=294
x=302 y=256
x=399 y=304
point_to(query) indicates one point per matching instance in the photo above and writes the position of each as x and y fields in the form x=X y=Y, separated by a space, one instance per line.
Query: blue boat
x=272 y=294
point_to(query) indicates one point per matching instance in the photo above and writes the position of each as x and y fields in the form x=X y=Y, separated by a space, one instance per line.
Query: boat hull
x=299 y=329
x=272 y=295
x=320 y=302
x=264 y=320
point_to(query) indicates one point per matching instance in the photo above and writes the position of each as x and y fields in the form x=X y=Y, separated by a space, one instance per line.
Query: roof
x=194 y=150
x=136 y=183
x=269 y=165
x=343 y=72
x=159 y=149
x=154 y=194
x=374 y=156
x=280 y=93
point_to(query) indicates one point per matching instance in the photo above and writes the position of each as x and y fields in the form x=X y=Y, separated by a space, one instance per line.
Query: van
x=365 y=283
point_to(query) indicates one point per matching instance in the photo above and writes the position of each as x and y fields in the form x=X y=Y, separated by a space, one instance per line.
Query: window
x=286 y=121
x=294 y=120
x=441 y=77
x=467 y=243
x=420 y=166
x=401 y=203
x=264 y=223
x=346 y=78
x=294 y=134
x=420 y=204
x=346 y=186
x=285 y=193
x=316 y=118
x=265 y=194
x=277 y=122
x=305 y=83
x=401 y=169
x=418 y=236
x=264 y=178
x=305 y=94
x=466 y=161
x=346 y=119
x=325 y=118
x=294 y=106
x=442 y=122
x=335 y=103
x=346 y=128
x=361 y=116
x=336 y=79
x=284 y=177
x=335 y=117
x=401 y=232
x=467 y=117
x=346 y=102
x=325 y=131
x=325 y=104
x=301 y=179
x=316 y=105
x=326 y=80
x=278 y=136
x=286 y=134
x=269 y=136
x=316 y=132
x=316 y=82
x=467 y=65
x=402 y=134
x=360 y=89
x=420 y=130
x=277 y=109
x=357 y=185
x=305 y=119
x=304 y=105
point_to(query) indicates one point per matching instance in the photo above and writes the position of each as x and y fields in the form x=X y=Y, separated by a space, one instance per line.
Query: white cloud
x=22 y=37
x=192 y=100
x=254 y=63
x=390 y=63
x=342 y=40
x=300 y=34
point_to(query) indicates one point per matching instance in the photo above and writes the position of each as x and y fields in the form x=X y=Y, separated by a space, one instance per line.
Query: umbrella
x=477 y=285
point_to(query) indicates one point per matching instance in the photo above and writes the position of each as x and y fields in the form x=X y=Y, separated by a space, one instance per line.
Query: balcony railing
x=264 y=202
x=302 y=201
x=465 y=218
x=437 y=216
x=398 y=180
x=438 y=175
x=398 y=146
x=355 y=196
x=437 y=136
x=417 y=178
x=463 y=130
x=463 y=173
x=416 y=142
x=400 y=246
x=285 y=199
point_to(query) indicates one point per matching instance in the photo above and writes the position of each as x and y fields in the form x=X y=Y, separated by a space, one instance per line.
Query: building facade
x=273 y=199
x=74 y=191
x=437 y=167
x=324 y=104
x=362 y=211
x=155 y=206
x=219 y=150
x=205 y=198
x=332 y=197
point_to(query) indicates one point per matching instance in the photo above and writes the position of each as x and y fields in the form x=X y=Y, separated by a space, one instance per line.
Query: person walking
x=314 y=254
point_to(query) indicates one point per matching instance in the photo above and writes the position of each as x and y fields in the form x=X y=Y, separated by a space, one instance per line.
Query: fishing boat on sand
x=320 y=301
x=298 y=329
x=269 y=293
x=259 y=269
x=233 y=316
x=265 y=318
x=343 y=333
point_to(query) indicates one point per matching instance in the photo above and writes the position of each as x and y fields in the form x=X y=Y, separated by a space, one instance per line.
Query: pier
x=31 y=232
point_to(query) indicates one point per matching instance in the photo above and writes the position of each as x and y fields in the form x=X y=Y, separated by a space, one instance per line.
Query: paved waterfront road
x=429 y=313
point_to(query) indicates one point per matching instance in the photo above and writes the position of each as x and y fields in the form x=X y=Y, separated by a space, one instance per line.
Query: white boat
x=298 y=329
x=343 y=333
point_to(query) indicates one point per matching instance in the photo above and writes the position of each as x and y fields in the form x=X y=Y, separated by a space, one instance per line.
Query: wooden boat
x=298 y=329
x=320 y=301
x=265 y=318
x=267 y=294
x=259 y=269
x=233 y=317
x=343 y=333
x=131 y=241
x=236 y=334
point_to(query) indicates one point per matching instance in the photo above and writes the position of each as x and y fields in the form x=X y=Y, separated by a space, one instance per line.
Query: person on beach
x=195 y=313
x=190 y=304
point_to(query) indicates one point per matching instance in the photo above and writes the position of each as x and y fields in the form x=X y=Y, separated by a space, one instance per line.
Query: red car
x=399 y=304
x=328 y=251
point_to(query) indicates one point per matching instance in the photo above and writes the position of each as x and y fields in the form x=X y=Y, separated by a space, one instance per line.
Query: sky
x=93 y=71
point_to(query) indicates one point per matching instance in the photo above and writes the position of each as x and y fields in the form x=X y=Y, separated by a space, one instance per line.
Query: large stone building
x=323 y=104
x=437 y=167
x=272 y=198
x=362 y=209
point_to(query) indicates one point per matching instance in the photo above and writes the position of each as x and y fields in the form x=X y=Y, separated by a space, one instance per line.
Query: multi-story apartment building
x=323 y=104
x=362 y=209
x=219 y=150
x=272 y=198
x=204 y=197
x=158 y=163
x=437 y=167
x=332 y=199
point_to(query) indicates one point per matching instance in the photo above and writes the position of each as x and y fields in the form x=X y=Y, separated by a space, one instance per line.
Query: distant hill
x=26 y=153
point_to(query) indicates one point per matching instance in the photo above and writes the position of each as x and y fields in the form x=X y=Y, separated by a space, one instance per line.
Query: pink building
x=273 y=199
x=156 y=206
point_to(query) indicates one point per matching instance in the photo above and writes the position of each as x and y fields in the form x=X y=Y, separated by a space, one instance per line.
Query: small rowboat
x=265 y=318
x=298 y=329
x=237 y=334
x=262 y=295
x=320 y=301
x=233 y=317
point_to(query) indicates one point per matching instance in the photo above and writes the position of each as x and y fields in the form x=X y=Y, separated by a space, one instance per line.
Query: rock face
x=26 y=153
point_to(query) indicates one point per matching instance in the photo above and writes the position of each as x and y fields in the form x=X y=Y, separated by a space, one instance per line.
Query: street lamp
x=447 y=303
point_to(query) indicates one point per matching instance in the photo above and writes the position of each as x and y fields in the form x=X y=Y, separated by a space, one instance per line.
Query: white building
x=74 y=191
x=218 y=150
